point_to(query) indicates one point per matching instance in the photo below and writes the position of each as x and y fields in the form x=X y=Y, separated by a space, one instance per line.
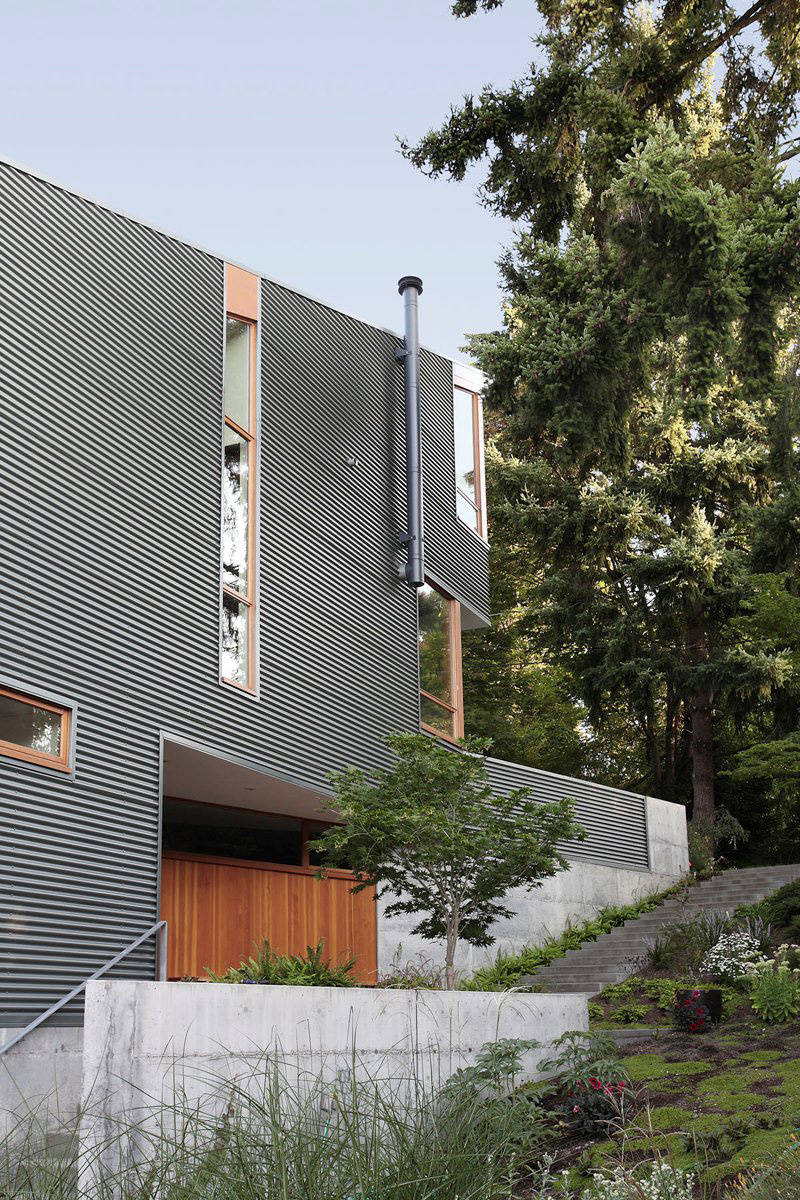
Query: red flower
x=687 y=1003
x=695 y=993
x=576 y=1108
x=693 y=1027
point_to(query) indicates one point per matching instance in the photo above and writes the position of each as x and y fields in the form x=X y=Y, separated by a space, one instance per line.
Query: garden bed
x=648 y=999
x=715 y=1104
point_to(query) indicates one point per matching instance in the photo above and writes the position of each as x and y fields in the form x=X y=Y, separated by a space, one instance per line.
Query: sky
x=266 y=131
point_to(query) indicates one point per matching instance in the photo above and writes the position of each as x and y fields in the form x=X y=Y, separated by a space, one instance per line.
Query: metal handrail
x=159 y=929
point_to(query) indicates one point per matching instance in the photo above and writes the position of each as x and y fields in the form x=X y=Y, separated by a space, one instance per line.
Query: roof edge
x=128 y=216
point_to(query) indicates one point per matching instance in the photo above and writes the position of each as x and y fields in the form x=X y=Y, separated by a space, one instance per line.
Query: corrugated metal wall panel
x=111 y=425
x=615 y=821
x=455 y=555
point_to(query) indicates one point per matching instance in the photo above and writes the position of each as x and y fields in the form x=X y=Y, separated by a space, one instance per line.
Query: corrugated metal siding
x=615 y=821
x=111 y=422
x=455 y=556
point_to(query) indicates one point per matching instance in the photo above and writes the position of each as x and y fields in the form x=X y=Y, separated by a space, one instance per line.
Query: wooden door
x=220 y=910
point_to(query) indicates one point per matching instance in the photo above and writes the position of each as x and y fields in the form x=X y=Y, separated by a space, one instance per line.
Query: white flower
x=734 y=955
x=663 y=1182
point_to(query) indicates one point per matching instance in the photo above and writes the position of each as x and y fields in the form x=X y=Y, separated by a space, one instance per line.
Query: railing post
x=162 y=952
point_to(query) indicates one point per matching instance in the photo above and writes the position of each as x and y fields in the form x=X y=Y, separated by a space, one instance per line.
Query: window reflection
x=435 y=661
x=27 y=725
x=236 y=512
x=439 y=648
x=465 y=440
x=237 y=372
x=235 y=639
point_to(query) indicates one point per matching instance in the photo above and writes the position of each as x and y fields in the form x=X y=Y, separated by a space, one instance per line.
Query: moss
x=762 y=1056
x=732 y=1082
x=648 y=1067
x=669 y=1146
x=762 y=1147
x=672 y=1118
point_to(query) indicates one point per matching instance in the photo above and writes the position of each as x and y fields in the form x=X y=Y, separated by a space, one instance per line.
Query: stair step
x=613 y=956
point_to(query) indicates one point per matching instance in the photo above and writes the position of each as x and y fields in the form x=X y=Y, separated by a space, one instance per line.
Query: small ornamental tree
x=431 y=833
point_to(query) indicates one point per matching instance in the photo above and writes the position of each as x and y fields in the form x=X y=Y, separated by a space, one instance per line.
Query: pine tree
x=649 y=419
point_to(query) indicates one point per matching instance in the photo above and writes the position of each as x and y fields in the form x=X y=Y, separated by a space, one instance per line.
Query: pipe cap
x=410 y=281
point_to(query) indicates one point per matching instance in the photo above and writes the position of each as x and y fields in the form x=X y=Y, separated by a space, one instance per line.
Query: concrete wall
x=573 y=895
x=147 y=1044
x=40 y=1079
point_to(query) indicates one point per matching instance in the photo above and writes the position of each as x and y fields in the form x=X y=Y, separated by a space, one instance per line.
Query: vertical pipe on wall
x=410 y=288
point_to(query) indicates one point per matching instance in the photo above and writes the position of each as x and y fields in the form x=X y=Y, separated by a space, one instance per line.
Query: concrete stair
x=616 y=955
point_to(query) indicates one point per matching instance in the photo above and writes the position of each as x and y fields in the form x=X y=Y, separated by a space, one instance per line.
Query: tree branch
x=753 y=14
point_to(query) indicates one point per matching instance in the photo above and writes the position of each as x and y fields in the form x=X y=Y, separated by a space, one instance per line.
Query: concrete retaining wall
x=40 y=1079
x=148 y=1043
x=573 y=895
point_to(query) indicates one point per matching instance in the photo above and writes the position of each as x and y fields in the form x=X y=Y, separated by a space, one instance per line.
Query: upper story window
x=34 y=730
x=441 y=705
x=240 y=391
x=467 y=437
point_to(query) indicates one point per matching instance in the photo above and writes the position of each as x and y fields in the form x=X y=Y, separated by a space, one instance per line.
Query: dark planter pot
x=709 y=998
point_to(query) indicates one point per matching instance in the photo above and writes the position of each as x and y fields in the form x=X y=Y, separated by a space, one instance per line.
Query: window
x=238 y=480
x=467 y=439
x=217 y=831
x=441 y=709
x=34 y=730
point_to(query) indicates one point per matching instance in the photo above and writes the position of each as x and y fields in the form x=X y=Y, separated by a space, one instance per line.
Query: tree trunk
x=450 y=953
x=671 y=735
x=653 y=752
x=702 y=727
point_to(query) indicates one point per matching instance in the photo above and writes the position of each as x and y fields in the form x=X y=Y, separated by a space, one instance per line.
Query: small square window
x=34 y=730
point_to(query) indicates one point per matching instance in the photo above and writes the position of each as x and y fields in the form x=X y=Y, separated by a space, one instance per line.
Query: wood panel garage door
x=220 y=910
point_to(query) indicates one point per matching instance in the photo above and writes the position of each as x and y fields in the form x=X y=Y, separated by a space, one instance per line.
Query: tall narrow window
x=467 y=439
x=34 y=730
x=441 y=708
x=238 y=480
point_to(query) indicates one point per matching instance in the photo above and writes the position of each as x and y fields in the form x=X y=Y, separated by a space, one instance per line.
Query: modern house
x=206 y=609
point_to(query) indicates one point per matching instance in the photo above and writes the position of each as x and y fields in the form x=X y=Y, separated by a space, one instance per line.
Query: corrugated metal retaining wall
x=615 y=821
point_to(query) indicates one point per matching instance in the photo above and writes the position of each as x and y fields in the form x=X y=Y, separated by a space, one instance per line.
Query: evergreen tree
x=650 y=420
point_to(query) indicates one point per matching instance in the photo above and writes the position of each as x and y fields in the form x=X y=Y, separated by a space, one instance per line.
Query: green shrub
x=783 y=906
x=682 y=945
x=582 y=1056
x=774 y=994
x=701 y=851
x=628 y=1014
x=612 y=993
x=293 y=969
x=662 y=992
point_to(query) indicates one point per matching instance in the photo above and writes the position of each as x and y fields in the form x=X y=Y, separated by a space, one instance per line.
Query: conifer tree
x=649 y=418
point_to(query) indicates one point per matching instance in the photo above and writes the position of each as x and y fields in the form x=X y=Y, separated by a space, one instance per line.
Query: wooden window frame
x=242 y=305
x=56 y=762
x=456 y=676
x=479 y=503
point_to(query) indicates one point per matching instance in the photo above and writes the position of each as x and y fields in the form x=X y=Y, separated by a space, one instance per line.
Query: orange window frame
x=477 y=451
x=57 y=762
x=456 y=676
x=242 y=291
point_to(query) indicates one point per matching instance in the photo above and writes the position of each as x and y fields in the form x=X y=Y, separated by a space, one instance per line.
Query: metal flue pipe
x=410 y=288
